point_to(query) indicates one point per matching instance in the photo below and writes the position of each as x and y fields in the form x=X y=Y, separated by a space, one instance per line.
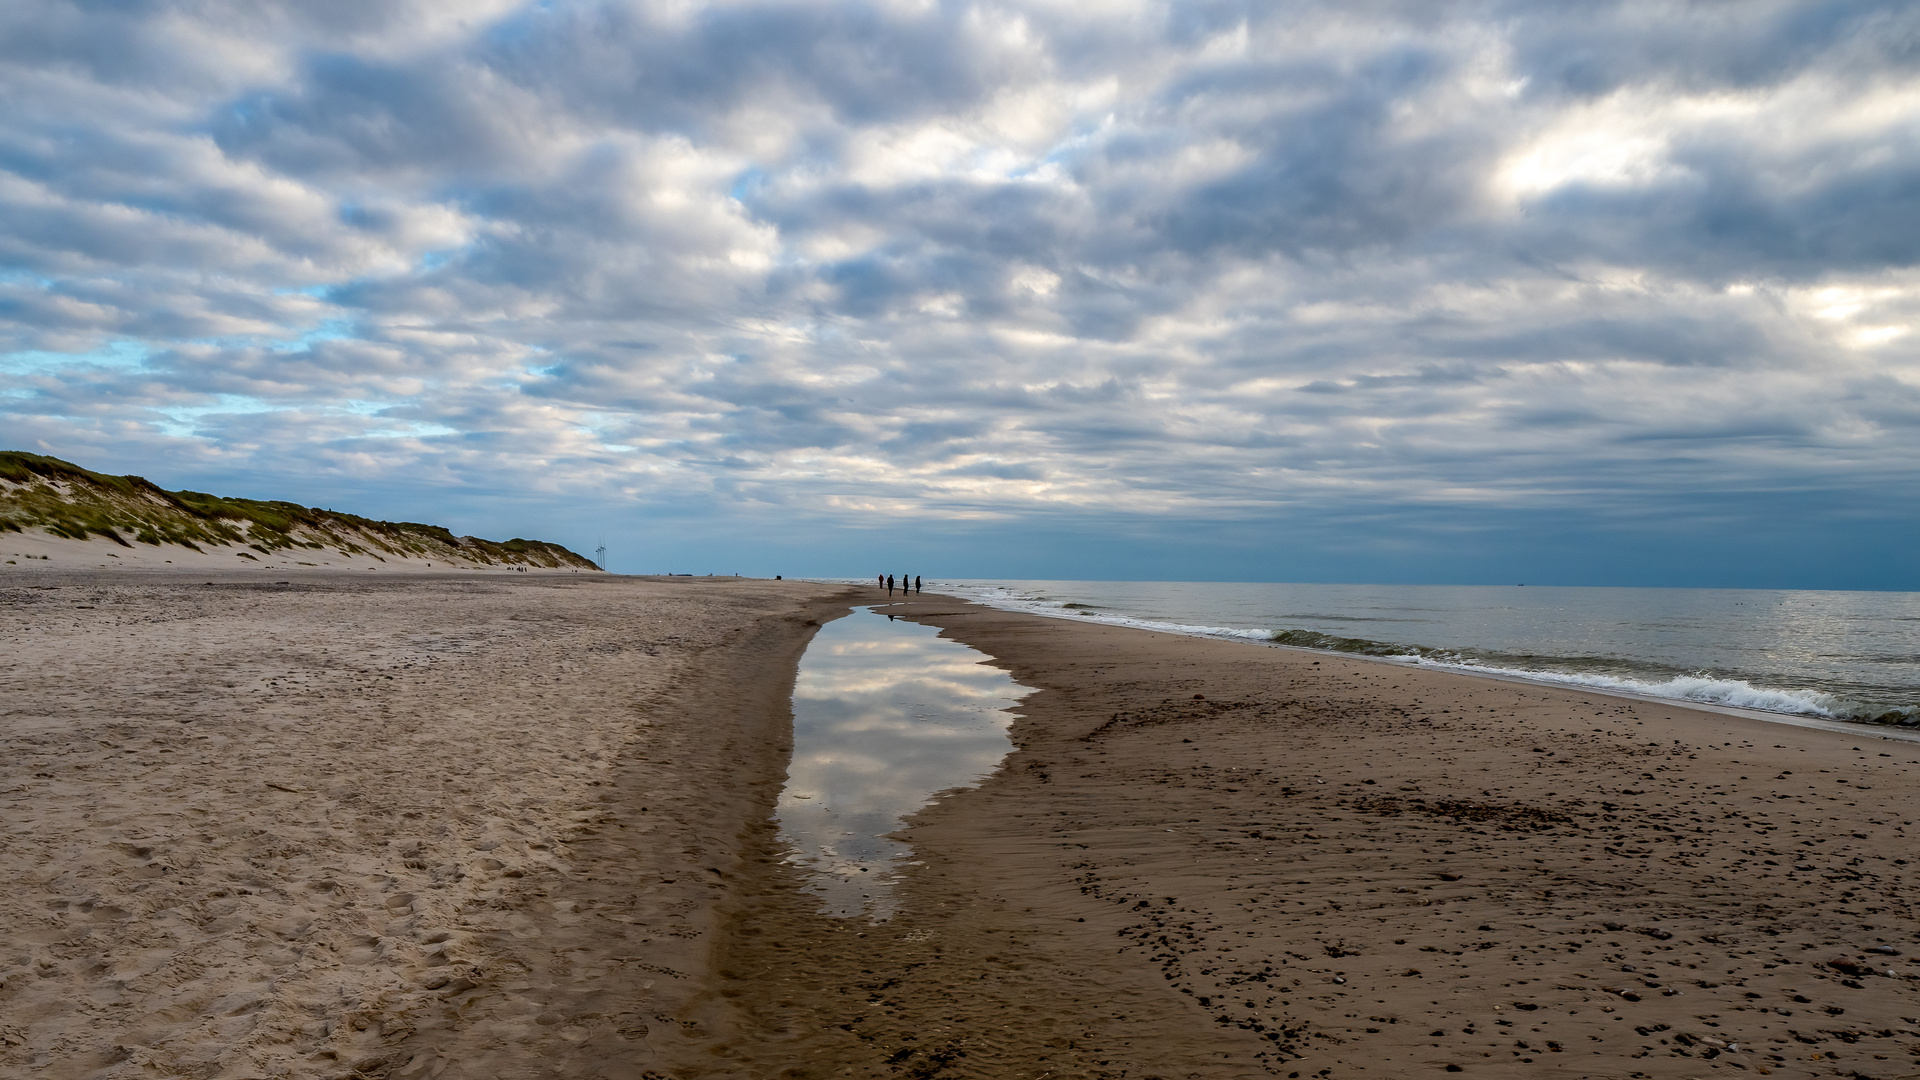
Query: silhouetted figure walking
x=889 y=584
x=916 y=583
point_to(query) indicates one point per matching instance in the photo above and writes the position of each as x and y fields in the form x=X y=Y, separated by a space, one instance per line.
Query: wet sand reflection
x=885 y=716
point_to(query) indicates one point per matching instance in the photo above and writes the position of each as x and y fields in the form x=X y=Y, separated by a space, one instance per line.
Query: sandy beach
x=519 y=826
x=321 y=826
x=1212 y=859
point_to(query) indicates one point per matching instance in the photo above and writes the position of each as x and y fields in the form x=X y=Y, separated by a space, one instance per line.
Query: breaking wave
x=1598 y=673
x=1702 y=688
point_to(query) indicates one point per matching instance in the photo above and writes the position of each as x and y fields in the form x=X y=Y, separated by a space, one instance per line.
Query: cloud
x=1038 y=261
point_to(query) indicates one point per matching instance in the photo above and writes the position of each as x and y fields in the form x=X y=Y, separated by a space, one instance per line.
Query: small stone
x=1849 y=966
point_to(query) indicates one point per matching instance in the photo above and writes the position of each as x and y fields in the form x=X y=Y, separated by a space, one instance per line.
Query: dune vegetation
x=38 y=492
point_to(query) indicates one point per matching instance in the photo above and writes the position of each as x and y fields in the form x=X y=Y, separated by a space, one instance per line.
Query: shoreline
x=1209 y=859
x=1885 y=731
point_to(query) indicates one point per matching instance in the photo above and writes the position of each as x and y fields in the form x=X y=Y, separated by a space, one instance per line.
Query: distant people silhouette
x=889 y=584
x=916 y=583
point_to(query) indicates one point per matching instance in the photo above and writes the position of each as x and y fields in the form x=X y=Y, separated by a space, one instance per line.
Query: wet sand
x=1213 y=859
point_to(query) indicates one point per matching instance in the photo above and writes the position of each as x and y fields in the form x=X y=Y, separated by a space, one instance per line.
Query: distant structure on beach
x=600 y=555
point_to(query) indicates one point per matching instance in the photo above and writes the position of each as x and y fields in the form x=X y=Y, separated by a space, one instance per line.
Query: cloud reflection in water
x=886 y=715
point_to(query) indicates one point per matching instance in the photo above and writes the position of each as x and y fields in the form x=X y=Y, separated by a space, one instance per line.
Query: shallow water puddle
x=886 y=715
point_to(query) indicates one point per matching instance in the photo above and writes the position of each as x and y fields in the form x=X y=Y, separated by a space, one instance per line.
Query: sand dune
x=37 y=549
x=55 y=514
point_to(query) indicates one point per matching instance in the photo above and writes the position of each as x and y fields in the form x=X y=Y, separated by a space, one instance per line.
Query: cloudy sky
x=1610 y=293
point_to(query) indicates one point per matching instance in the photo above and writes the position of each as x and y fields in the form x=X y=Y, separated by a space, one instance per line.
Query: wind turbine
x=600 y=553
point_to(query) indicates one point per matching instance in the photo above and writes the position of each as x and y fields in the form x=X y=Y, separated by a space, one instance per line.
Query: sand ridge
x=331 y=826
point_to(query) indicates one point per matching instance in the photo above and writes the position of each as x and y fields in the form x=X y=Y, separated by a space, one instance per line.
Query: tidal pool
x=886 y=715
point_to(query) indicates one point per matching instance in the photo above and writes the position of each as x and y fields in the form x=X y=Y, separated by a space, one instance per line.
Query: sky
x=1588 y=294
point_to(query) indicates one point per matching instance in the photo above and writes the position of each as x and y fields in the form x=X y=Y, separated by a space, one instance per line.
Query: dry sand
x=1213 y=859
x=492 y=826
x=459 y=826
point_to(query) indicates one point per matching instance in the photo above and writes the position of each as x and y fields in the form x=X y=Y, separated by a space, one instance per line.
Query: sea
x=1833 y=655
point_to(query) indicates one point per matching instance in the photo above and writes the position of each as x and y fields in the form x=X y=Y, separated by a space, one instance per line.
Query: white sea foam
x=1702 y=688
x=1007 y=599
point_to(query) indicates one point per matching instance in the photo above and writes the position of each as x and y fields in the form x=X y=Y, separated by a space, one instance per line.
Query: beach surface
x=492 y=825
x=1213 y=859
x=335 y=825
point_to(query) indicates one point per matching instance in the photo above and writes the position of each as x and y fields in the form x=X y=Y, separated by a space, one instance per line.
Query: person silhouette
x=916 y=583
x=889 y=584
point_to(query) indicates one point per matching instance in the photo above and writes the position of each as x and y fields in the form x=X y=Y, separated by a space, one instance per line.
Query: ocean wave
x=1014 y=600
x=1589 y=672
x=1702 y=688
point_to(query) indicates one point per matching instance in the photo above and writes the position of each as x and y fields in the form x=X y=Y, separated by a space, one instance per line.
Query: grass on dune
x=47 y=493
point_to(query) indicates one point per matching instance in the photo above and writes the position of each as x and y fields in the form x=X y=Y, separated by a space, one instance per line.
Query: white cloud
x=975 y=262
